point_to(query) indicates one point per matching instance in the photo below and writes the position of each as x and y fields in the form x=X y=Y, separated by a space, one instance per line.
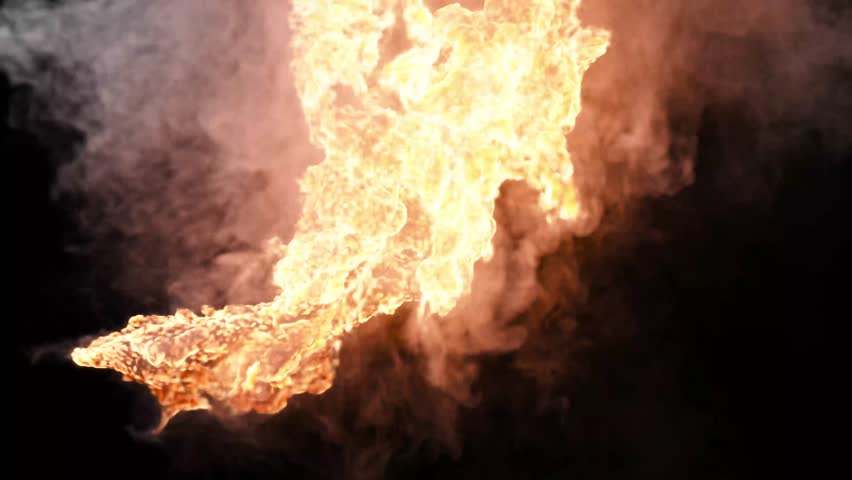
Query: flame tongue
x=417 y=144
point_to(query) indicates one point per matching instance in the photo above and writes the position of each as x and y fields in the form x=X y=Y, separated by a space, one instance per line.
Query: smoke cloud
x=669 y=61
x=193 y=136
x=192 y=143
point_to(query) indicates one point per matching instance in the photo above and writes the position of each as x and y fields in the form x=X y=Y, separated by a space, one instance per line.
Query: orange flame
x=422 y=116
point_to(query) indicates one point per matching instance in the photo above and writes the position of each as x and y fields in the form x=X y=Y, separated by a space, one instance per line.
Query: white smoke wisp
x=193 y=134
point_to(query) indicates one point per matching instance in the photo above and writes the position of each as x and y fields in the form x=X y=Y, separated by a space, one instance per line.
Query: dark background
x=704 y=347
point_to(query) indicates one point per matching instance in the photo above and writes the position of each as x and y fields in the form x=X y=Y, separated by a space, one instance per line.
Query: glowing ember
x=422 y=116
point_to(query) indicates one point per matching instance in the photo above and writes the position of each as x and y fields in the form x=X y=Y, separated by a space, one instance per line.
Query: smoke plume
x=193 y=138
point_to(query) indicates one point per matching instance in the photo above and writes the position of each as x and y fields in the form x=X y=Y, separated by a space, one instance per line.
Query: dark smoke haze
x=184 y=142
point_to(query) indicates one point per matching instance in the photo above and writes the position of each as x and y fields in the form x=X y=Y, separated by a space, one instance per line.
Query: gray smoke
x=778 y=60
x=193 y=134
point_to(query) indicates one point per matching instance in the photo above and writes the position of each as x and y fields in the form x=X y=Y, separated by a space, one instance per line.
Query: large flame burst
x=422 y=116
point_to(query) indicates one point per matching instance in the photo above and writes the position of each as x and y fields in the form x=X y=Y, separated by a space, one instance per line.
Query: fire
x=422 y=116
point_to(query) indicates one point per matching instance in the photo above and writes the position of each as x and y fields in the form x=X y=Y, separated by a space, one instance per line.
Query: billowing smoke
x=193 y=136
x=192 y=141
x=780 y=61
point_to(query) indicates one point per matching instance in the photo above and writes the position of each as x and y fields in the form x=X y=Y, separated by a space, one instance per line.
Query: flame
x=422 y=116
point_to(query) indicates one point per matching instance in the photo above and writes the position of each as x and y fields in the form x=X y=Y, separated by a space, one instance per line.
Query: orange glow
x=422 y=116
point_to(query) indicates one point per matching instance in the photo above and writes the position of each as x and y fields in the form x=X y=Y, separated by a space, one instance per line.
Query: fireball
x=422 y=115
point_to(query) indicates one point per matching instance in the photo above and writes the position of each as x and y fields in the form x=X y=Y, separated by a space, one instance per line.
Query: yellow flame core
x=422 y=116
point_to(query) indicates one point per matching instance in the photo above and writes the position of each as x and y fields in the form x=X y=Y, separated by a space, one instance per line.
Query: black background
x=710 y=326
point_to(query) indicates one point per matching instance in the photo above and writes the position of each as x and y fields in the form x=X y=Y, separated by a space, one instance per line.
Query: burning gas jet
x=419 y=133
